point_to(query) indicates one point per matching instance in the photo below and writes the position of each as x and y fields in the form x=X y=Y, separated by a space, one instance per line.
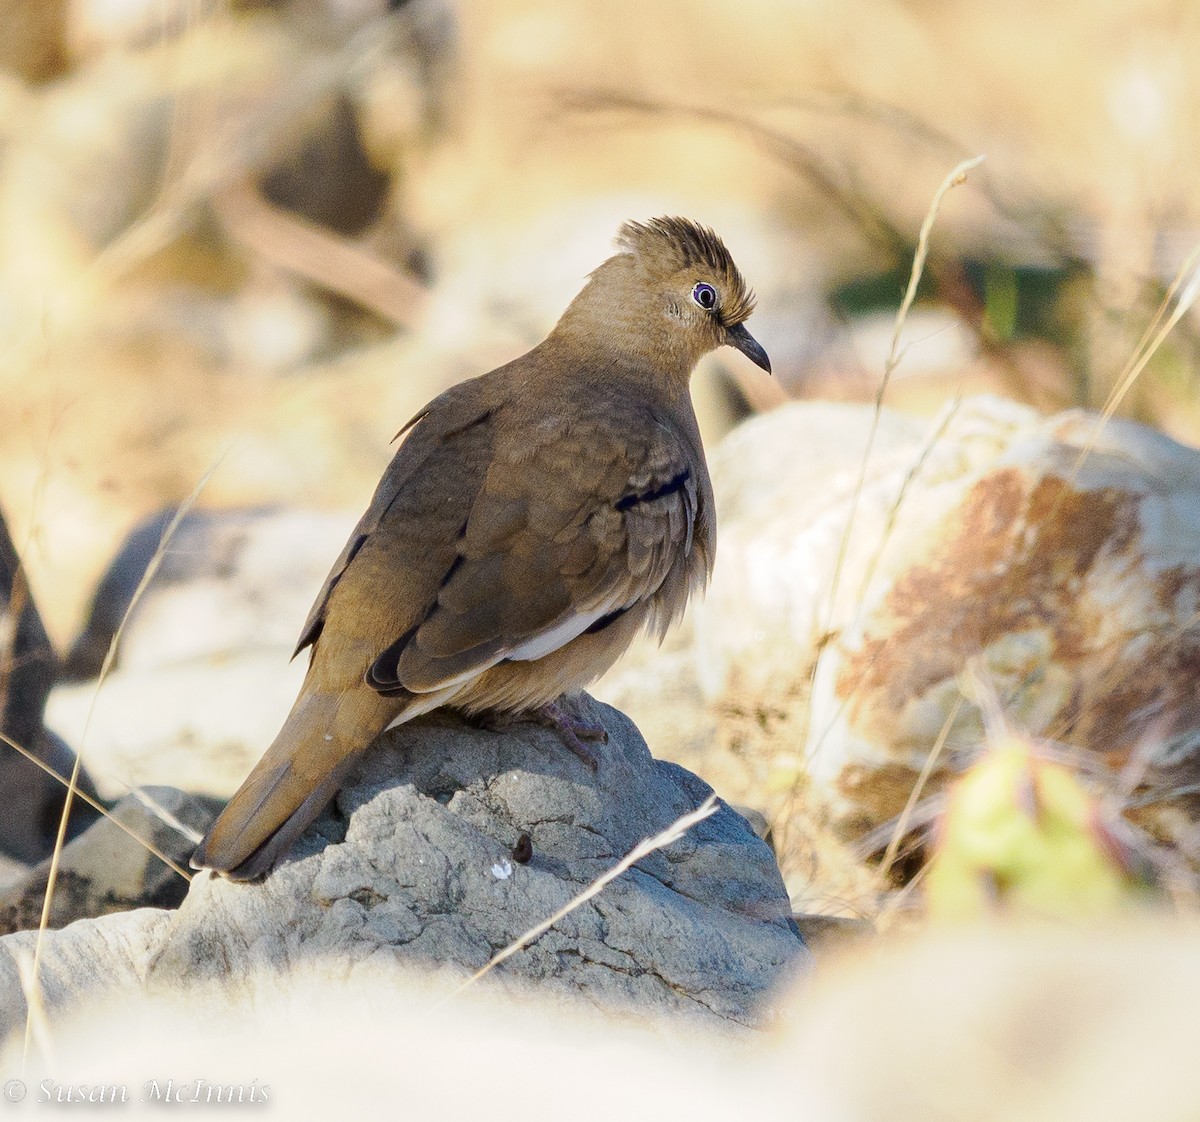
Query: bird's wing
x=575 y=519
x=392 y=563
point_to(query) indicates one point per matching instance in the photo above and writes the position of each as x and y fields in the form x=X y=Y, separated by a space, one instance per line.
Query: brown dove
x=532 y=522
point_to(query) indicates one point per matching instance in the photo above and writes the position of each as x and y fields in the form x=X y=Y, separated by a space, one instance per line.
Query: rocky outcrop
x=1056 y=559
x=451 y=842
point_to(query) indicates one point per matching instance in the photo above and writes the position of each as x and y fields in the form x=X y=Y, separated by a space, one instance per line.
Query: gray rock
x=415 y=861
x=108 y=955
x=229 y=582
x=203 y=679
x=106 y=870
x=414 y=866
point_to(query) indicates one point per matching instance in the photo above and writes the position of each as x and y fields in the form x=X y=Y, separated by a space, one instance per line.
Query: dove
x=533 y=522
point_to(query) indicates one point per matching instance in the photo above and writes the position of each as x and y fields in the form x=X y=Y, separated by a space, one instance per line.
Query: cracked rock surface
x=415 y=862
x=448 y=843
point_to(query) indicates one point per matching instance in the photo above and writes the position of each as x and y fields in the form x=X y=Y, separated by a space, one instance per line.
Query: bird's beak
x=740 y=338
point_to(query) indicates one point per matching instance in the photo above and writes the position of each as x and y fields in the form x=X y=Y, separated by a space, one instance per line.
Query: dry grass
x=31 y=984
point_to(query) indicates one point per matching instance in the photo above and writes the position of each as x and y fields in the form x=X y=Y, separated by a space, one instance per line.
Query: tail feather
x=226 y=847
x=324 y=735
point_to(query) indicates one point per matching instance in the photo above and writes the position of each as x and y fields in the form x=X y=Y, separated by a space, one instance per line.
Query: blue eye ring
x=705 y=295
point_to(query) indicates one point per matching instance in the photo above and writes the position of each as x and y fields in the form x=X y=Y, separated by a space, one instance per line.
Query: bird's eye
x=705 y=295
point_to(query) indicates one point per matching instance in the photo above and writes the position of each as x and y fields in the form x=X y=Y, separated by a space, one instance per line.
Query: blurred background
x=243 y=242
x=264 y=233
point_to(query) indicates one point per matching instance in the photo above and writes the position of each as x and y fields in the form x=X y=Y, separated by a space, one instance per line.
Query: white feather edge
x=537 y=646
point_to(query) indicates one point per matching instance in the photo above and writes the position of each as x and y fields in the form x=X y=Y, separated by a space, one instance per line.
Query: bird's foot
x=573 y=730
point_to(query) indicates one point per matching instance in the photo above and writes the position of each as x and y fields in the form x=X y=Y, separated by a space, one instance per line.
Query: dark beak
x=740 y=338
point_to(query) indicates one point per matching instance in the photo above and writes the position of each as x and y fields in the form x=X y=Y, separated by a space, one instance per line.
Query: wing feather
x=591 y=544
x=489 y=540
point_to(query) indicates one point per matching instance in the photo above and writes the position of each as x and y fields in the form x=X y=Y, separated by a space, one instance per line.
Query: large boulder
x=1054 y=557
x=450 y=842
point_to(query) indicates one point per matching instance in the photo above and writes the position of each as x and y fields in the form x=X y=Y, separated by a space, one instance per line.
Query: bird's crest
x=677 y=244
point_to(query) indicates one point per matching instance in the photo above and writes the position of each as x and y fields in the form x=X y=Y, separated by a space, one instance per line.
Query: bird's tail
x=323 y=736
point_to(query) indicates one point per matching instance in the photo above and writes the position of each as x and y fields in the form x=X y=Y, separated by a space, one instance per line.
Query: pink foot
x=572 y=729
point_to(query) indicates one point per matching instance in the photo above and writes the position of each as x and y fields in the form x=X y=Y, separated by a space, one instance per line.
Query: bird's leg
x=573 y=730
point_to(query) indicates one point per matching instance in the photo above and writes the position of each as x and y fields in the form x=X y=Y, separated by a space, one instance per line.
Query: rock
x=414 y=865
x=30 y=800
x=1057 y=557
x=974 y=540
x=108 y=956
x=203 y=680
x=106 y=870
x=229 y=582
x=415 y=862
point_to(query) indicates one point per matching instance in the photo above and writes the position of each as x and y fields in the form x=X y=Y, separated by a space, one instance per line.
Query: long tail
x=302 y=770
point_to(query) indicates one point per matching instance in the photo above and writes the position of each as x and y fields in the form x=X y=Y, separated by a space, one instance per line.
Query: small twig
x=643 y=849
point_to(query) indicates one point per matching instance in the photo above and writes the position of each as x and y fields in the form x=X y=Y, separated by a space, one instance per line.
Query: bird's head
x=669 y=297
